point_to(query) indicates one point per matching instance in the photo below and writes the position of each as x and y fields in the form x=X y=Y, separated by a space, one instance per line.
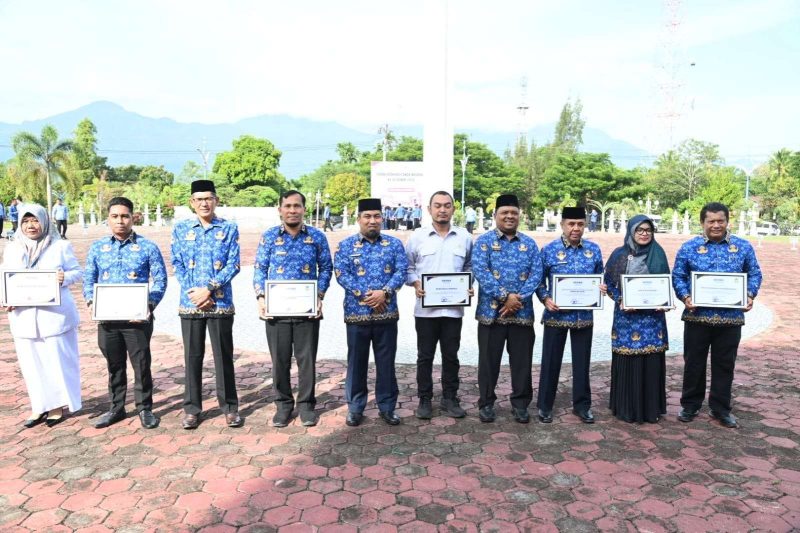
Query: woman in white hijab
x=46 y=338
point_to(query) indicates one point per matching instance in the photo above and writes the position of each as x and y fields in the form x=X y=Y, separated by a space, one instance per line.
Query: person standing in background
x=13 y=215
x=60 y=215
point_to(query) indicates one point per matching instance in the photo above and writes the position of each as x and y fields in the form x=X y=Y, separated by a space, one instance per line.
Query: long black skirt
x=638 y=387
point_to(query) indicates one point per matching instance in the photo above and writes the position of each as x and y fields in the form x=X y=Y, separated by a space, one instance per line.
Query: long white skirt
x=52 y=372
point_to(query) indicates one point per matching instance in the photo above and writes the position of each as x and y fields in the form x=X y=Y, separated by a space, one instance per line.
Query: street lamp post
x=464 y=160
x=317 y=200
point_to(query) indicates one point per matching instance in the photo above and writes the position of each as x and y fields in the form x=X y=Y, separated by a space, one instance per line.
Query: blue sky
x=361 y=62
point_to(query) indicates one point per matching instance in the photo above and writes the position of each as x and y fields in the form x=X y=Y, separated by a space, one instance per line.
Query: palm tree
x=47 y=151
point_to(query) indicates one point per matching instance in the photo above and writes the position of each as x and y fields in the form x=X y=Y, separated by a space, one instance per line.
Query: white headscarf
x=33 y=249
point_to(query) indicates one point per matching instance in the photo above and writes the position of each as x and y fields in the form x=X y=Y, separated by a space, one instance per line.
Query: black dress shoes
x=190 y=421
x=487 y=414
x=281 y=419
x=390 y=418
x=148 y=419
x=308 y=417
x=31 y=422
x=109 y=417
x=687 y=415
x=586 y=416
x=545 y=417
x=354 y=419
x=452 y=408
x=521 y=415
x=234 y=420
x=425 y=410
x=728 y=421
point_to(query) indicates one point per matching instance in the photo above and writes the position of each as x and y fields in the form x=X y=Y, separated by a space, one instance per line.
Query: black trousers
x=62 y=227
x=470 y=227
x=552 y=354
x=220 y=331
x=301 y=337
x=518 y=340
x=723 y=342
x=2 y=221
x=327 y=224
x=119 y=341
x=446 y=331
x=383 y=338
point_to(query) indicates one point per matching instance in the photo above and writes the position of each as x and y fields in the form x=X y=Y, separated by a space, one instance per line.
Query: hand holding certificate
x=290 y=298
x=720 y=289
x=447 y=289
x=577 y=291
x=646 y=291
x=123 y=302
x=32 y=288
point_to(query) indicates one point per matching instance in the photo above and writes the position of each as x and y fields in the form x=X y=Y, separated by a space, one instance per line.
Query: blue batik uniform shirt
x=560 y=257
x=206 y=257
x=134 y=260
x=504 y=265
x=305 y=256
x=732 y=254
x=361 y=266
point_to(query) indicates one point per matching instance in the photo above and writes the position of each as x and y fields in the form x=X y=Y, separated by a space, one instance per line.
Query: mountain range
x=126 y=137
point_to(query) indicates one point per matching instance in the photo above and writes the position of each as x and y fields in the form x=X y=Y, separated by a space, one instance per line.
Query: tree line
x=542 y=175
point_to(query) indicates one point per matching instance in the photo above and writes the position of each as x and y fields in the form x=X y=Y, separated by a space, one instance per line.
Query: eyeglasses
x=205 y=200
x=644 y=231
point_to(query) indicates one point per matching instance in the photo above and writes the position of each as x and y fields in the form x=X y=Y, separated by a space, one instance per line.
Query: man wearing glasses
x=205 y=255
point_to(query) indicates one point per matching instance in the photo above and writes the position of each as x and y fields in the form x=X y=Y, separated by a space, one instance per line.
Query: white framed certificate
x=647 y=291
x=574 y=292
x=291 y=298
x=122 y=302
x=31 y=288
x=719 y=289
x=450 y=289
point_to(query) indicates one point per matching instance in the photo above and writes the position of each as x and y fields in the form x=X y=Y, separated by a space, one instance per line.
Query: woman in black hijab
x=638 y=337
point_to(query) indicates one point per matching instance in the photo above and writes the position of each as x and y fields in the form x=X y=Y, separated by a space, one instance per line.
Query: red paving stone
x=438 y=475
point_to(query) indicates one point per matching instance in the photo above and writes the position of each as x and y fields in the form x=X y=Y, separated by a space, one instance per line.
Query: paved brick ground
x=442 y=475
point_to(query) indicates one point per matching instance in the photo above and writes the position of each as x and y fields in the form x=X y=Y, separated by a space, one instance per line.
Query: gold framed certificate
x=291 y=298
x=30 y=288
x=449 y=289
x=727 y=290
x=573 y=292
x=122 y=302
x=647 y=291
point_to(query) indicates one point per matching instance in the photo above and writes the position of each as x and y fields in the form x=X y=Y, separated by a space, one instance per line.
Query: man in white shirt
x=439 y=248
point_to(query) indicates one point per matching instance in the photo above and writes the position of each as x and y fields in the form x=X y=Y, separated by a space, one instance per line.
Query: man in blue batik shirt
x=717 y=329
x=126 y=257
x=371 y=268
x=569 y=254
x=508 y=267
x=293 y=251
x=205 y=255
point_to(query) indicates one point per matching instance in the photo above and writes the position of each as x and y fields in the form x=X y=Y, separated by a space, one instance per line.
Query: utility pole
x=204 y=154
x=464 y=159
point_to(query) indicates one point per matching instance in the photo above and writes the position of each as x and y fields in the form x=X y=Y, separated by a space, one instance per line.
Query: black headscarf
x=654 y=256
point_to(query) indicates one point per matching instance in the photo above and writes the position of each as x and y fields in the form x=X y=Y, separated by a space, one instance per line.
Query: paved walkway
x=444 y=474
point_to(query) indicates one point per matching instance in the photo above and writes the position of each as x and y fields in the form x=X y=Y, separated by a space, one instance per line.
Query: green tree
x=345 y=190
x=47 y=151
x=252 y=161
x=678 y=175
x=156 y=177
x=255 y=196
x=124 y=173
x=190 y=172
x=568 y=135
x=585 y=176
x=84 y=158
x=487 y=175
x=722 y=185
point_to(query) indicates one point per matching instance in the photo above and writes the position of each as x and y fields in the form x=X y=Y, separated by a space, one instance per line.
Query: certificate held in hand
x=646 y=291
x=290 y=298
x=31 y=288
x=719 y=289
x=577 y=291
x=447 y=289
x=121 y=302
